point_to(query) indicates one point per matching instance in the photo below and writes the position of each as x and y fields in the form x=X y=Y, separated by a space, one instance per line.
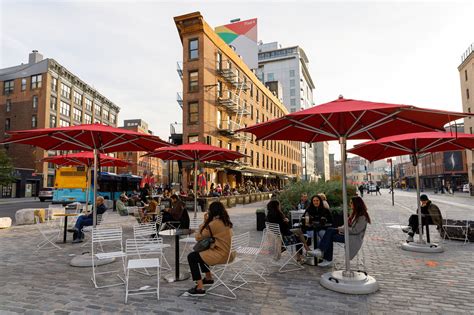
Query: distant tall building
x=332 y=166
x=44 y=94
x=140 y=165
x=321 y=152
x=289 y=67
x=466 y=75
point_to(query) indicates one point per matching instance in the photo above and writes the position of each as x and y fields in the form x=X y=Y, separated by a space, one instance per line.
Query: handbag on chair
x=205 y=243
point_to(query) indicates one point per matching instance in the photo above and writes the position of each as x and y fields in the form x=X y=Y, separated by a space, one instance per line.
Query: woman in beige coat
x=216 y=224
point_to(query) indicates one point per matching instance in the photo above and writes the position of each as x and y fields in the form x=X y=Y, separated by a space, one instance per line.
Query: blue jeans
x=326 y=245
x=81 y=222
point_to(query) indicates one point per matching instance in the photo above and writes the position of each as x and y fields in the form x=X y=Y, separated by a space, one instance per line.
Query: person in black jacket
x=290 y=236
x=87 y=220
x=317 y=213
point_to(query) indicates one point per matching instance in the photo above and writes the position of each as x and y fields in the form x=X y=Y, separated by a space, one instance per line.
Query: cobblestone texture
x=38 y=282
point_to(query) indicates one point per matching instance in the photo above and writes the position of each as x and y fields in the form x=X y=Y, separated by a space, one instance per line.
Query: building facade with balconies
x=44 y=94
x=220 y=95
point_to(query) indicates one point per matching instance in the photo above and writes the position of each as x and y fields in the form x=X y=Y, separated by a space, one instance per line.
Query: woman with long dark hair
x=216 y=224
x=316 y=211
x=275 y=215
x=357 y=225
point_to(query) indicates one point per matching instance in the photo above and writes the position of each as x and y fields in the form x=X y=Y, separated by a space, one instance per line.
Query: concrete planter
x=5 y=222
x=225 y=201
x=231 y=201
x=253 y=197
x=239 y=199
x=246 y=199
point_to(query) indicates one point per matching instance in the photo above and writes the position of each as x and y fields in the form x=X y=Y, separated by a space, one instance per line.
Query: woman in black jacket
x=275 y=215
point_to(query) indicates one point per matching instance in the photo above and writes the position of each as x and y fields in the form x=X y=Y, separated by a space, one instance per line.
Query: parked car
x=46 y=193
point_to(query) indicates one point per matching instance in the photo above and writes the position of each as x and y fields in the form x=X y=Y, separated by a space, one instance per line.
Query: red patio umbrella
x=86 y=159
x=414 y=144
x=89 y=137
x=342 y=120
x=196 y=152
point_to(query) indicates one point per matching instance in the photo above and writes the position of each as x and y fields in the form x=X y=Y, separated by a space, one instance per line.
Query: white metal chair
x=189 y=240
x=296 y=217
x=138 y=249
x=250 y=256
x=461 y=228
x=50 y=232
x=273 y=230
x=148 y=231
x=111 y=240
x=222 y=272
x=88 y=229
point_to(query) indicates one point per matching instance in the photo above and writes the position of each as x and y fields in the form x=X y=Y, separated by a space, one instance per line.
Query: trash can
x=260 y=219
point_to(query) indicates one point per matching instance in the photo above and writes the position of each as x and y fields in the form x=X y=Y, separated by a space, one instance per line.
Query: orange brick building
x=220 y=95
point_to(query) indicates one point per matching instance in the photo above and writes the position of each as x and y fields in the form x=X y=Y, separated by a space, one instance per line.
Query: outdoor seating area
x=254 y=279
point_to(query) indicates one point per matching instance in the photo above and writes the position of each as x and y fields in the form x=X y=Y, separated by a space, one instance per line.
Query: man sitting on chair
x=86 y=220
x=177 y=213
x=430 y=215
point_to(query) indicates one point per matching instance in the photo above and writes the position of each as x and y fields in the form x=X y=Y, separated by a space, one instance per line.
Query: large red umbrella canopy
x=413 y=144
x=195 y=151
x=87 y=137
x=352 y=119
x=86 y=159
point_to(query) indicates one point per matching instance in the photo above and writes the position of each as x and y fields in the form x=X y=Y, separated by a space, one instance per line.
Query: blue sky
x=401 y=52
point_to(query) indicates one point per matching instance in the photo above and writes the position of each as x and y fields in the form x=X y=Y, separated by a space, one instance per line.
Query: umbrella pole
x=418 y=209
x=195 y=188
x=94 y=202
x=87 y=187
x=342 y=142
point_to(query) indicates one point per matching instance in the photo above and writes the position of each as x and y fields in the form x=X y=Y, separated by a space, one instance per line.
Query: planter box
x=253 y=197
x=239 y=199
x=231 y=201
x=246 y=199
x=225 y=201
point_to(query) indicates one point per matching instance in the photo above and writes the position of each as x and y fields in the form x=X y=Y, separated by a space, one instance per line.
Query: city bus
x=71 y=185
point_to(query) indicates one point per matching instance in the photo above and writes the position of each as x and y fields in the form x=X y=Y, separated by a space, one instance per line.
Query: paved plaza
x=35 y=282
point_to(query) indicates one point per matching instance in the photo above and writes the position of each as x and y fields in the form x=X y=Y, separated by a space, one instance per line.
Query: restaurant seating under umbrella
x=195 y=152
x=347 y=119
x=86 y=159
x=415 y=144
x=89 y=137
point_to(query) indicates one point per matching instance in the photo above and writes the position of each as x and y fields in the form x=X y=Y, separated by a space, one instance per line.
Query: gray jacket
x=356 y=235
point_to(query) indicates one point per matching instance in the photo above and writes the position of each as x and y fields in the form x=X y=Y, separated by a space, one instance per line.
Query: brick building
x=220 y=95
x=44 y=94
x=140 y=165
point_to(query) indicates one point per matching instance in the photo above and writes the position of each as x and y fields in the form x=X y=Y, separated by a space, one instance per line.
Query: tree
x=6 y=169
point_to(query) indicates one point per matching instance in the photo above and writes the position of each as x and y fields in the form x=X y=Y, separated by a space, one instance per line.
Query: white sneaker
x=410 y=238
x=315 y=253
x=325 y=263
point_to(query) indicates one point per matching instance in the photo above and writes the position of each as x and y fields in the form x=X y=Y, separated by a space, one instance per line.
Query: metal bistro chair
x=136 y=250
x=189 y=240
x=111 y=239
x=250 y=256
x=50 y=232
x=273 y=229
x=148 y=231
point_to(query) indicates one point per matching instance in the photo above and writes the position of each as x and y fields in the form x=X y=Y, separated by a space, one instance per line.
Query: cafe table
x=65 y=215
x=178 y=276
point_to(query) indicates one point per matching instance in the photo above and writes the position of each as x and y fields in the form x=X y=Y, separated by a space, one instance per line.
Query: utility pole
x=391 y=181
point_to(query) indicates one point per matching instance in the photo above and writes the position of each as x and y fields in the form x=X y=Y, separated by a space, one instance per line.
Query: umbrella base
x=352 y=282
x=422 y=247
x=182 y=276
x=85 y=260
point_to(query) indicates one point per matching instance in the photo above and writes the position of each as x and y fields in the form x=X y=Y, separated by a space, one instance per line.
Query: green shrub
x=332 y=189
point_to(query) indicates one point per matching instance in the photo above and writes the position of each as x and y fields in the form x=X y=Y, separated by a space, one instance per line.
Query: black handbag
x=205 y=243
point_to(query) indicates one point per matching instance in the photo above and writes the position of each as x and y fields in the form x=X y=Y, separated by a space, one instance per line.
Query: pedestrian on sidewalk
x=377 y=190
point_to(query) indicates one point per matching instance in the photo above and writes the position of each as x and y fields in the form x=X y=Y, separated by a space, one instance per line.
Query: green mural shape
x=228 y=37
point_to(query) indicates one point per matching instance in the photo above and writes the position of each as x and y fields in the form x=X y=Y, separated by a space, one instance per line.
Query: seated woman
x=275 y=215
x=177 y=213
x=317 y=213
x=357 y=225
x=216 y=223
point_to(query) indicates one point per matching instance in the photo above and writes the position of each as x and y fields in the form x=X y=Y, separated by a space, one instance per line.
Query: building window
x=113 y=118
x=64 y=123
x=292 y=82
x=77 y=98
x=8 y=106
x=54 y=84
x=8 y=86
x=52 y=121
x=34 y=121
x=251 y=89
x=292 y=110
x=292 y=102
x=219 y=61
x=23 y=84
x=209 y=140
x=292 y=73
x=467 y=93
x=7 y=124
x=193 y=115
x=88 y=103
x=193 y=48
x=220 y=143
x=87 y=119
x=292 y=92
x=35 y=102
x=97 y=110
x=219 y=89
x=192 y=139
x=258 y=159
x=53 y=103
x=465 y=74
x=219 y=119
x=65 y=109
x=105 y=113
x=270 y=77
x=97 y=121
x=36 y=81
x=77 y=114
x=193 y=81
x=65 y=91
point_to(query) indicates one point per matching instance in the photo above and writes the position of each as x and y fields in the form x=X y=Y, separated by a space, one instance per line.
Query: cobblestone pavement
x=35 y=282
